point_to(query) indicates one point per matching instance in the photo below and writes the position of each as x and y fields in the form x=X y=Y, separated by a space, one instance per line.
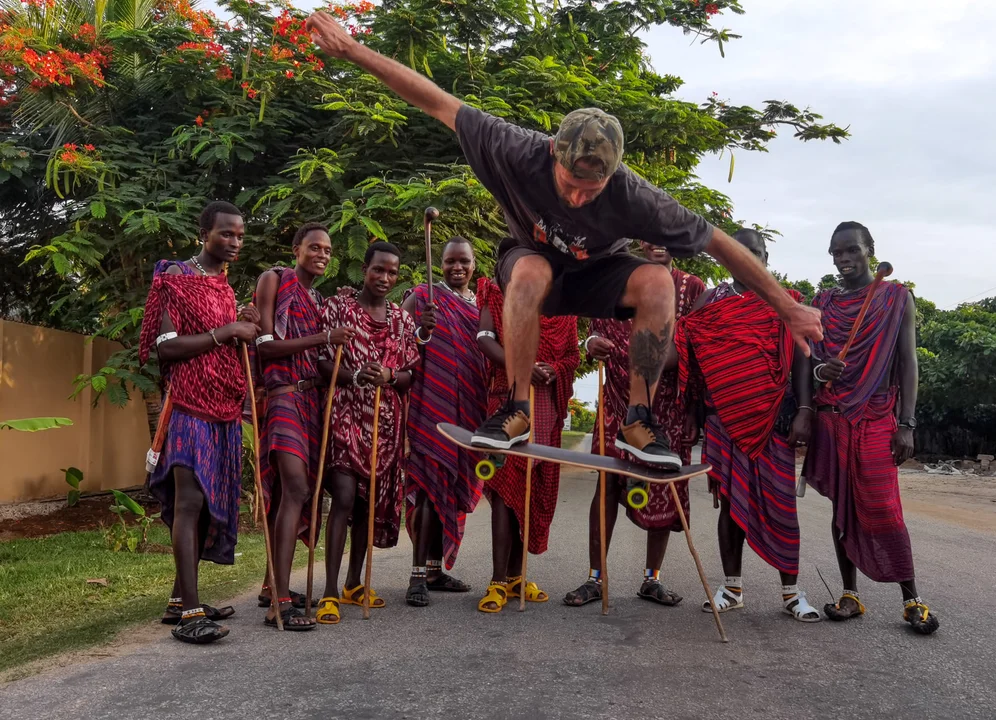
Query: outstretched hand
x=329 y=35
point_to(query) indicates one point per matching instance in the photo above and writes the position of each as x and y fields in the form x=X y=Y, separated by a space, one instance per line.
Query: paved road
x=642 y=661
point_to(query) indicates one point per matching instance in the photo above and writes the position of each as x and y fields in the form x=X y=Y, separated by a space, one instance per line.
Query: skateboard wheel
x=637 y=498
x=485 y=470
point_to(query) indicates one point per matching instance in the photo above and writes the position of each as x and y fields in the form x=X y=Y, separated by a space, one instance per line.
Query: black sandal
x=920 y=618
x=174 y=613
x=418 y=595
x=589 y=592
x=654 y=590
x=287 y=614
x=447 y=583
x=297 y=599
x=199 y=631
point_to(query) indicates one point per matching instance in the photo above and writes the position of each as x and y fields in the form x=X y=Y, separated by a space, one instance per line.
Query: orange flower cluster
x=249 y=91
x=70 y=152
x=40 y=3
x=224 y=73
x=344 y=11
x=210 y=49
x=201 y=23
x=56 y=67
x=87 y=33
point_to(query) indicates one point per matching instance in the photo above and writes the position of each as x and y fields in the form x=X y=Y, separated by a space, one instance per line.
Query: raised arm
x=802 y=321
x=412 y=87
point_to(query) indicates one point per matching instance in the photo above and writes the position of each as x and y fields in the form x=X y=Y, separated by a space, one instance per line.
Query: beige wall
x=108 y=444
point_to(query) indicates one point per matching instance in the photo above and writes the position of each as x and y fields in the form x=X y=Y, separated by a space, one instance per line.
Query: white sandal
x=798 y=607
x=725 y=601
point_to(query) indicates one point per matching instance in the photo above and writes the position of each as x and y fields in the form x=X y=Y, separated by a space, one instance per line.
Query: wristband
x=487 y=334
x=356 y=378
x=164 y=337
x=263 y=339
x=588 y=340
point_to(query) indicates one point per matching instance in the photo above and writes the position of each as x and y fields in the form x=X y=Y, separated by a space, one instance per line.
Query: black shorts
x=586 y=288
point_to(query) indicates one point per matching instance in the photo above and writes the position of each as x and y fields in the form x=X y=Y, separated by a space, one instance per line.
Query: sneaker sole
x=669 y=461
x=482 y=441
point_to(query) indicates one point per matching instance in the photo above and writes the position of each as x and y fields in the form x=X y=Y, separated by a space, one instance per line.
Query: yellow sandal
x=496 y=595
x=354 y=596
x=533 y=593
x=328 y=611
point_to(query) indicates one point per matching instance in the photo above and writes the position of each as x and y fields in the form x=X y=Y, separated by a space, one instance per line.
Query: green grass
x=47 y=607
x=570 y=439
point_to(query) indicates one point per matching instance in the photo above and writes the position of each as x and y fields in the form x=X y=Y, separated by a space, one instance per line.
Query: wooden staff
x=698 y=563
x=884 y=271
x=316 y=500
x=152 y=457
x=371 y=502
x=275 y=604
x=601 y=488
x=430 y=215
x=525 y=519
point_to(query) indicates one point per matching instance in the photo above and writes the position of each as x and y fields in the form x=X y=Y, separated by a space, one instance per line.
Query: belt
x=299 y=386
x=830 y=408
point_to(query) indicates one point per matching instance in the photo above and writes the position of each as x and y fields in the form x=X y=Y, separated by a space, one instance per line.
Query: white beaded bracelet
x=164 y=337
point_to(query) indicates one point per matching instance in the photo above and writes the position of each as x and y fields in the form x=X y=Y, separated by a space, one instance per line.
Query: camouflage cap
x=592 y=134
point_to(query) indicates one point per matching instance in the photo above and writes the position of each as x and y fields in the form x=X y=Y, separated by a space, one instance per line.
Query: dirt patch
x=42 y=519
x=966 y=500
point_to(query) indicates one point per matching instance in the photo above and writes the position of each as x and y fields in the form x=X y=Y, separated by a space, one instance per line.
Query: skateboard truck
x=637 y=493
x=486 y=468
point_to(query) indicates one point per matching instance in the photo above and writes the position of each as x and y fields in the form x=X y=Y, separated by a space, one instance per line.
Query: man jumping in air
x=570 y=205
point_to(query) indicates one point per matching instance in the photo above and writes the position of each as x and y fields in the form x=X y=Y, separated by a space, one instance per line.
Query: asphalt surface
x=641 y=661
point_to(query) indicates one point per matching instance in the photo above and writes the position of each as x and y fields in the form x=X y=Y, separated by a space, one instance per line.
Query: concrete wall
x=108 y=444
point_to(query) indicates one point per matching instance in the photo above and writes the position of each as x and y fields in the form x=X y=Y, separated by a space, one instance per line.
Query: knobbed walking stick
x=275 y=604
x=525 y=519
x=884 y=271
x=317 y=499
x=431 y=214
x=371 y=501
x=601 y=489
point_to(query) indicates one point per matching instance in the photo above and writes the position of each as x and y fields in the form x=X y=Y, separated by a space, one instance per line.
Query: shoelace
x=655 y=431
x=497 y=420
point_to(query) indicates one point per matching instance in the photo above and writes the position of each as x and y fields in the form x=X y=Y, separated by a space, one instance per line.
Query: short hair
x=457 y=240
x=381 y=246
x=862 y=232
x=212 y=210
x=750 y=233
x=303 y=231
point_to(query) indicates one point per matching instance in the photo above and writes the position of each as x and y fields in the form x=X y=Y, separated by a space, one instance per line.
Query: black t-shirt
x=516 y=166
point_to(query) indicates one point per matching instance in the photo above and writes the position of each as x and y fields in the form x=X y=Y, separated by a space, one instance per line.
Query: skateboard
x=639 y=476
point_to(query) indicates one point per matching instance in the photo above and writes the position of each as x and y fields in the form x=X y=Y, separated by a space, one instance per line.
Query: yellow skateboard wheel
x=485 y=470
x=637 y=498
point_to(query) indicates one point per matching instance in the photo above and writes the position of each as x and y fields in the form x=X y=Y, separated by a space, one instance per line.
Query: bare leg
x=423 y=527
x=357 y=544
x=650 y=291
x=187 y=509
x=657 y=547
x=515 y=553
x=612 y=491
x=731 y=541
x=848 y=573
x=524 y=296
x=342 y=488
x=502 y=533
x=293 y=474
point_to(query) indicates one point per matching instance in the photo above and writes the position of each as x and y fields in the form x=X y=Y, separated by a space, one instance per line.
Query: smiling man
x=570 y=203
x=290 y=348
x=858 y=444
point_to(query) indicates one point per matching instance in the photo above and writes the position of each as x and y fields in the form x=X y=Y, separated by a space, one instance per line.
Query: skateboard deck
x=598 y=463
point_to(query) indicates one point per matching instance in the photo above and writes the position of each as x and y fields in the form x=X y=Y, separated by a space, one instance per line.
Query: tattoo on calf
x=646 y=353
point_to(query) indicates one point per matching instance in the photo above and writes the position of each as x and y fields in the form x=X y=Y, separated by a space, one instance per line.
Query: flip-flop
x=833 y=611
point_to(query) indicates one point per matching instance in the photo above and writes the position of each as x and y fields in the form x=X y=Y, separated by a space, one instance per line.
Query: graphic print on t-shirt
x=554 y=234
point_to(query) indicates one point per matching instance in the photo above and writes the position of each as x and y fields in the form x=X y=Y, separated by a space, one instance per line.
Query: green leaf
x=72 y=498
x=98 y=209
x=74 y=476
x=132 y=542
x=373 y=227
x=61 y=264
x=35 y=424
x=128 y=504
x=98 y=383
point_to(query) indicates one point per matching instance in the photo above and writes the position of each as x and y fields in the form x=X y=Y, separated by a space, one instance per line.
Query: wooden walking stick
x=698 y=563
x=371 y=502
x=316 y=500
x=525 y=519
x=430 y=214
x=884 y=271
x=275 y=604
x=601 y=489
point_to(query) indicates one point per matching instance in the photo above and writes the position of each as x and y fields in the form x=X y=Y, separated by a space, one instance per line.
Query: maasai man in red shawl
x=449 y=386
x=382 y=354
x=190 y=320
x=553 y=383
x=858 y=444
x=291 y=346
x=736 y=345
x=609 y=342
